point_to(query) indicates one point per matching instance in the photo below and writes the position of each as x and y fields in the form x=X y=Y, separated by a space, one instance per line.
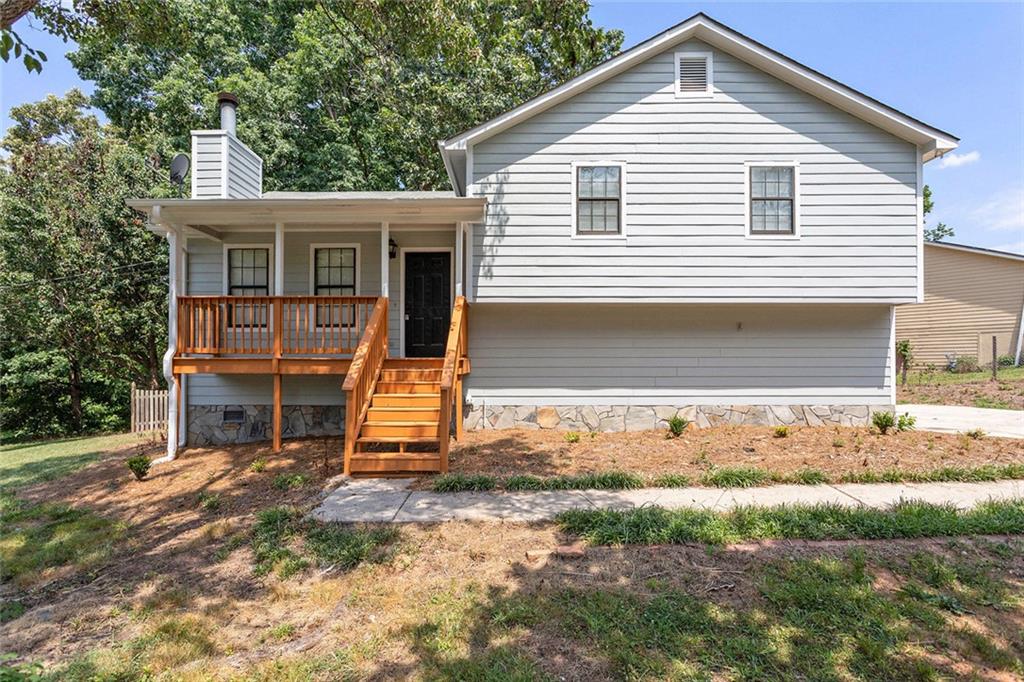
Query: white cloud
x=1012 y=247
x=955 y=160
x=1002 y=211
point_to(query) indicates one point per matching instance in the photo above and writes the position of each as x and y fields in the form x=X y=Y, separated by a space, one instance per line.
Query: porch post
x=385 y=260
x=459 y=250
x=469 y=262
x=278 y=259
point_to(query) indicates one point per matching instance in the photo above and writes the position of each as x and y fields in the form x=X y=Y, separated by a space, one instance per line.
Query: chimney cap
x=227 y=97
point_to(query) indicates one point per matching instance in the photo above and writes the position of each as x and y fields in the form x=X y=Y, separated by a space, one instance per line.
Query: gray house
x=699 y=225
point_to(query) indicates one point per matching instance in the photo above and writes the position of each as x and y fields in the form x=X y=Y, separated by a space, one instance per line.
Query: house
x=700 y=225
x=970 y=295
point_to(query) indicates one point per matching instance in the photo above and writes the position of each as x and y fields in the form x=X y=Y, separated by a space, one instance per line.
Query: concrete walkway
x=954 y=418
x=390 y=500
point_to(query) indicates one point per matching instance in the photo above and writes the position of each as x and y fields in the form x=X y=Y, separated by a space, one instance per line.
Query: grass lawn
x=975 y=389
x=942 y=378
x=22 y=464
x=220 y=574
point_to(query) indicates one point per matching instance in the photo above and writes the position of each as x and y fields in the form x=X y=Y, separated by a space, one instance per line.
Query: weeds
x=883 y=421
x=258 y=465
x=975 y=434
x=677 y=425
x=209 y=501
x=290 y=481
x=571 y=437
x=906 y=422
x=780 y=431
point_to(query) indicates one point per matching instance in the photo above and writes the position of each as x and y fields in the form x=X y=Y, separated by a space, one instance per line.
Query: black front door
x=428 y=303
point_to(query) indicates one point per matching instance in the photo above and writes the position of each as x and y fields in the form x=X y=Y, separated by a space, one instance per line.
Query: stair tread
x=396 y=455
x=395 y=422
x=405 y=395
x=397 y=439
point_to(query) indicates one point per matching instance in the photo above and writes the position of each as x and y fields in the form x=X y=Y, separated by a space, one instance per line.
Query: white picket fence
x=149 y=410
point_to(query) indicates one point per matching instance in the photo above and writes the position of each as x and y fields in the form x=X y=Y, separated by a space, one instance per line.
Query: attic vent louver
x=693 y=74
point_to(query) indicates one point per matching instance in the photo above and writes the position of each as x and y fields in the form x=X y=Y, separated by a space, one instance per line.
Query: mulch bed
x=833 y=450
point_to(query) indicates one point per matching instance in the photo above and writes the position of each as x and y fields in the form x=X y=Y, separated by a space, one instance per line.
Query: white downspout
x=173 y=263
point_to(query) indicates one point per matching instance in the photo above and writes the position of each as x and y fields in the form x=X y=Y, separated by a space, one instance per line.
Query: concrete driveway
x=953 y=418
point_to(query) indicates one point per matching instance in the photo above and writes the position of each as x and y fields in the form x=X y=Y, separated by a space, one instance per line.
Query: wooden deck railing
x=455 y=354
x=362 y=375
x=272 y=325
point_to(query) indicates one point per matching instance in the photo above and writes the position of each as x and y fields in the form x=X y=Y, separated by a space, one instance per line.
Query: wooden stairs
x=399 y=412
x=400 y=434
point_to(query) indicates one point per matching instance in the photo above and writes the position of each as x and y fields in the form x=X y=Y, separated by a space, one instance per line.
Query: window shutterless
x=334 y=274
x=772 y=200
x=248 y=275
x=598 y=200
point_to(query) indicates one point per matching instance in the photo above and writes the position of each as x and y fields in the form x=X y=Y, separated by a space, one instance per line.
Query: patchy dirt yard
x=181 y=596
x=832 y=450
x=1004 y=394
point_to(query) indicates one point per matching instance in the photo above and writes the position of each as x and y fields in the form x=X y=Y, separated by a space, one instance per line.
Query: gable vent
x=693 y=74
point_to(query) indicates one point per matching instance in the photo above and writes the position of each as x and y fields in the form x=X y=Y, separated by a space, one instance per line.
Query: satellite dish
x=179 y=168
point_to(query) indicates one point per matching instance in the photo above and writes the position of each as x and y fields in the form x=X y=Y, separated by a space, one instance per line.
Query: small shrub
x=883 y=421
x=290 y=481
x=966 y=364
x=209 y=501
x=975 y=434
x=1005 y=360
x=906 y=422
x=139 y=465
x=671 y=481
x=735 y=477
x=457 y=483
x=781 y=431
x=258 y=465
x=572 y=437
x=676 y=425
x=838 y=442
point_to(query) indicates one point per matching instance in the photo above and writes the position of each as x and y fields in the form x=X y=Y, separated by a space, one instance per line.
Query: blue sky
x=957 y=66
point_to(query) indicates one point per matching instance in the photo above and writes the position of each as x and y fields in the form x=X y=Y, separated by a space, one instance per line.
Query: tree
x=940 y=231
x=82 y=283
x=338 y=96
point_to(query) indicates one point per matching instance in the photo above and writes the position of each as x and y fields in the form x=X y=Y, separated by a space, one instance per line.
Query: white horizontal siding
x=233 y=389
x=245 y=177
x=568 y=354
x=685 y=205
x=207 y=167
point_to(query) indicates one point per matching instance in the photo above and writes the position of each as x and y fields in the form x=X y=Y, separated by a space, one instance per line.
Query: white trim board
x=402 y=250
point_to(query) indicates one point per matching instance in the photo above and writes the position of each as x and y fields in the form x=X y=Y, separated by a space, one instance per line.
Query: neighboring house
x=970 y=295
x=699 y=225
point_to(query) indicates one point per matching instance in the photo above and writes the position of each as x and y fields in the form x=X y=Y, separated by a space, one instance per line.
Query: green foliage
x=735 y=477
x=807 y=477
x=290 y=481
x=780 y=431
x=209 y=501
x=456 y=483
x=34 y=538
x=82 y=299
x=941 y=230
x=139 y=465
x=608 y=480
x=1005 y=360
x=677 y=425
x=966 y=364
x=655 y=525
x=326 y=545
x=883 y=421
x=906 y=422
x=258 y=465
x=571 y=437
x=671 y=481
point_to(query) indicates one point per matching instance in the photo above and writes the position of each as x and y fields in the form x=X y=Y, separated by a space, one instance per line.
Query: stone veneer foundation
x=645 y=417
x=206 y=423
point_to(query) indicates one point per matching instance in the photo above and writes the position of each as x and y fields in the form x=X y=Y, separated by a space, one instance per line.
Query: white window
x=773 y=199
x=248 y=272
x=598 y=198
x=334 y=271
x=694 y=74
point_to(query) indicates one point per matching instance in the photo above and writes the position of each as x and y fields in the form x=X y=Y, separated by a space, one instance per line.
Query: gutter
x=173 y=389
x=1020 y=336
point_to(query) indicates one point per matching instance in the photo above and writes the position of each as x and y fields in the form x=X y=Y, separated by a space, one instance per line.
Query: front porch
x=368 y=288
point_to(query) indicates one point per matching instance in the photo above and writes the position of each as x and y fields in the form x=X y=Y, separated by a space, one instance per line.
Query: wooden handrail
x=271 y=325
x=456 y=350
x=361 y=379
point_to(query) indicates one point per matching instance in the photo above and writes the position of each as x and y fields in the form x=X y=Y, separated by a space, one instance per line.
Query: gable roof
x=934 y=141
x=977 y=249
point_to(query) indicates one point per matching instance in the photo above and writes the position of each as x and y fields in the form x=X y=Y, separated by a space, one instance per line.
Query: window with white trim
x=248 y=274
x=694 y=74
x=772 y=192
x=598 y=200
x=334 y=274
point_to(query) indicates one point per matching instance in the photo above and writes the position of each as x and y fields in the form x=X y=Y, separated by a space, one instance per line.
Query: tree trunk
x=75 y=393
x=12 y=10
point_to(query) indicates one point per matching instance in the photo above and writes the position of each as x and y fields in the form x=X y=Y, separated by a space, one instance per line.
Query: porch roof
x=315 y=208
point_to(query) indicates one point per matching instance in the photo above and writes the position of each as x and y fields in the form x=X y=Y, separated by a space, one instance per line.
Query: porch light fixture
x=392 y=248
